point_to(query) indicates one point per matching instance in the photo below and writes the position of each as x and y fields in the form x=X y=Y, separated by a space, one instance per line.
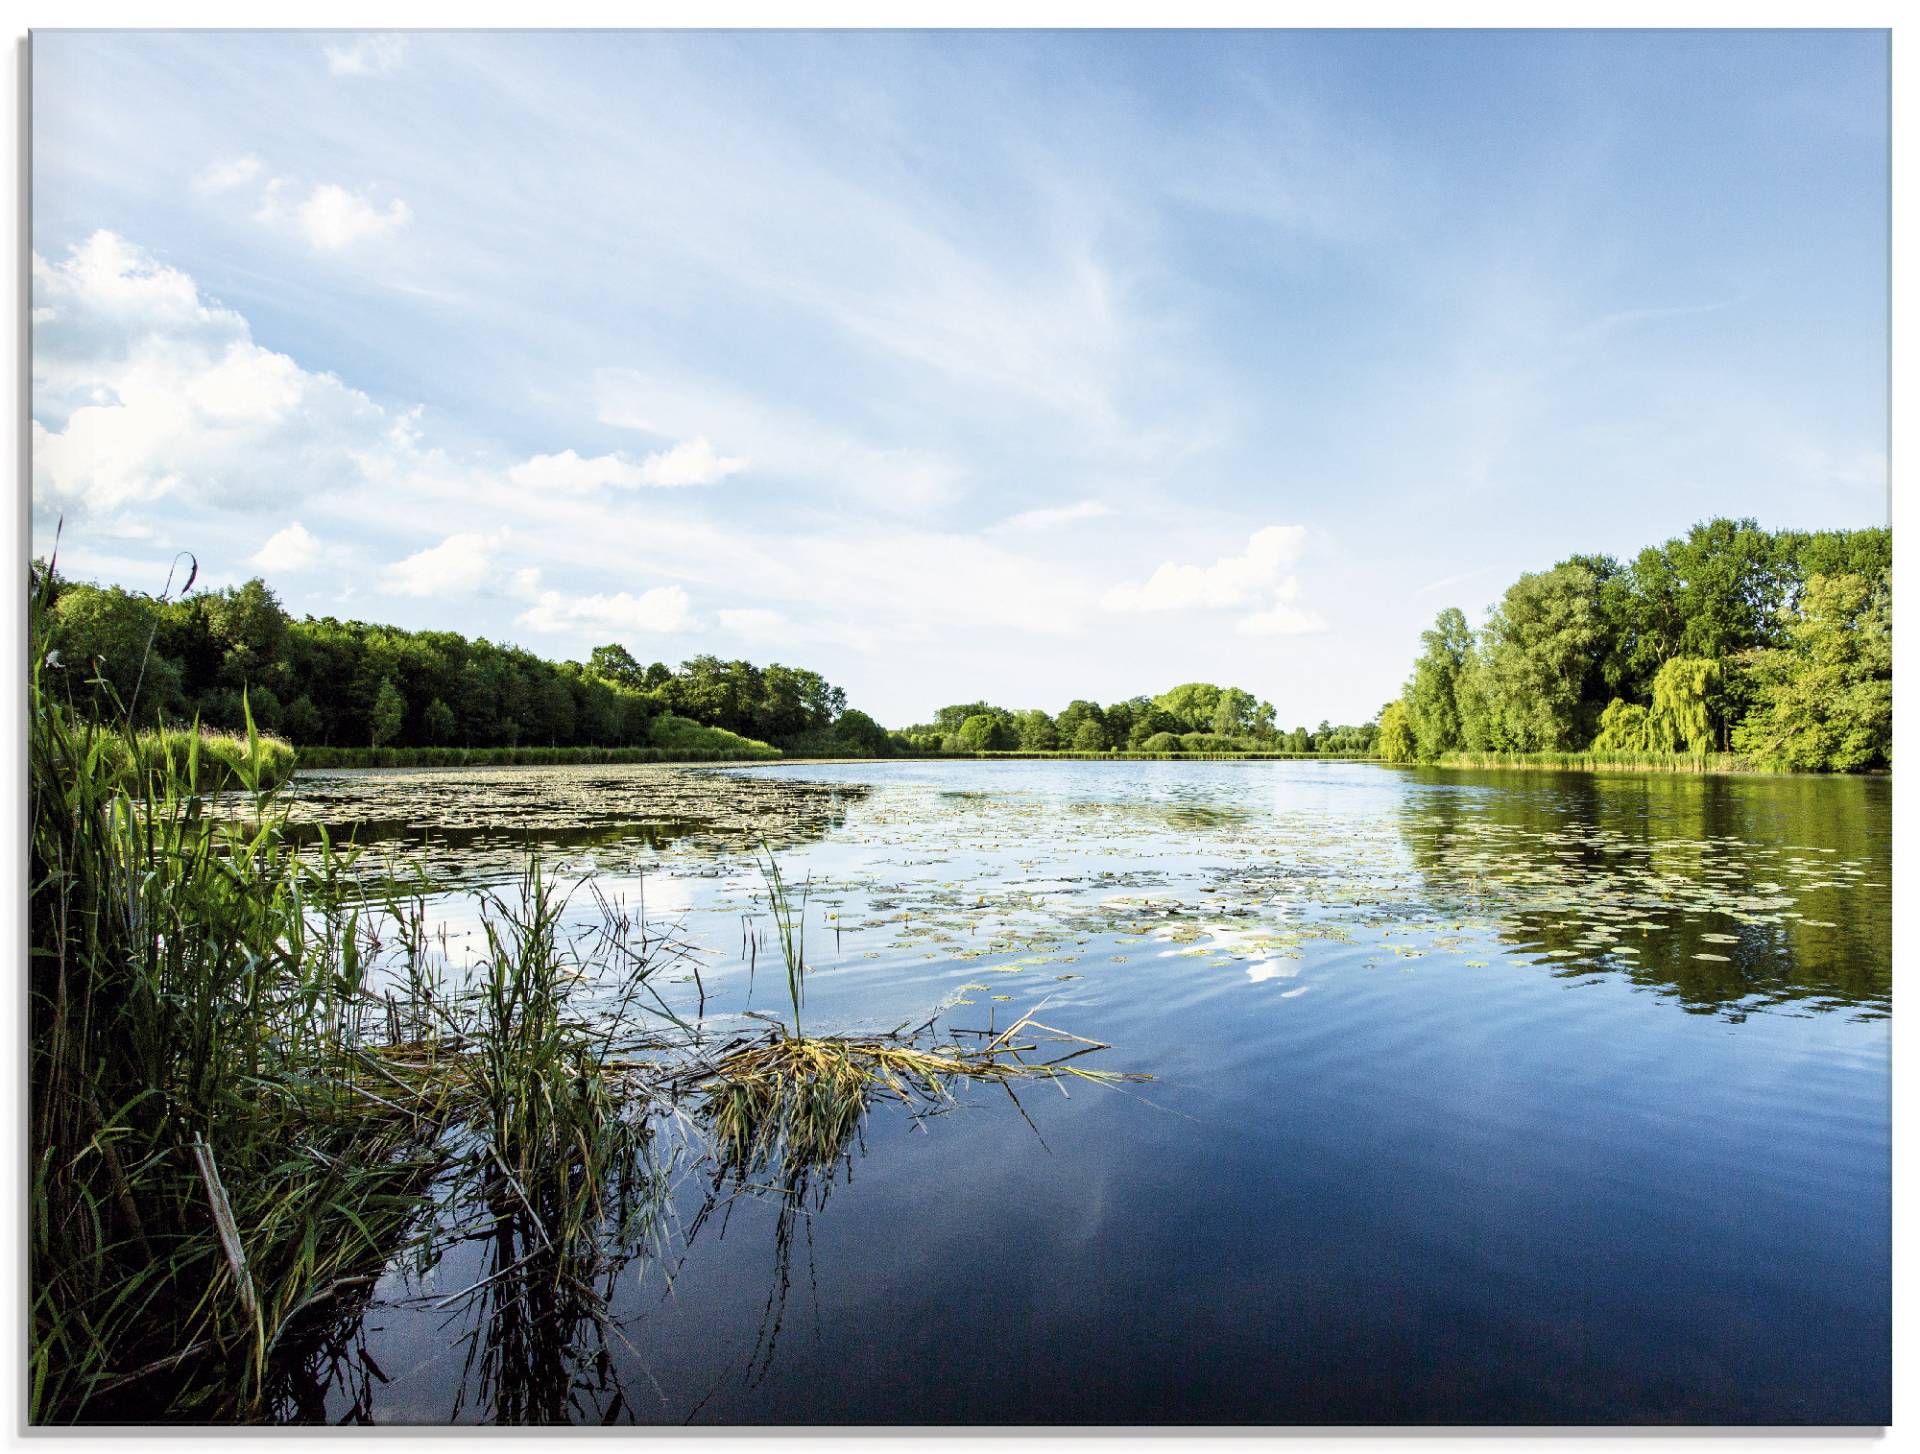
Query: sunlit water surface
x=1476 y=1098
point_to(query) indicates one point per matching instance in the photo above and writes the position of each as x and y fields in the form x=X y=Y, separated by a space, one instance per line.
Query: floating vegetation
x=786 y=1097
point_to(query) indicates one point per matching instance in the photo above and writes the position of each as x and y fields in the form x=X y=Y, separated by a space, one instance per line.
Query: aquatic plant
x=1599 y=760
x=208 y=1166
x=321 y=757
x=785 y=1098
x=214 y=761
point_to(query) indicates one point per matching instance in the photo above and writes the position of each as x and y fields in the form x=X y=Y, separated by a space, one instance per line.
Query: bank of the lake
x=1706 y=764
x=324 y=758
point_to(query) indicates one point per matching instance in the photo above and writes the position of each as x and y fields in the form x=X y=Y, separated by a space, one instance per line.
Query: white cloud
x=665 y=608
x=692 y=462
x=369 y=55
x=144 y=389
x=330 y=217
x=224 y=176
x=780 y=440
x=1050 y=517
x=1259 y=576
x=1232 y=580
x=459 y=565
x=291 y=549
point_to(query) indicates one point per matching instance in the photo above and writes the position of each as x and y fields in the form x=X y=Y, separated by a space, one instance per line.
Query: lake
x=1475 y=1098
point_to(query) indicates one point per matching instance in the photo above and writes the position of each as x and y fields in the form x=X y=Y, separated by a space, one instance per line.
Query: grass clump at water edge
x=253 y=1092
x=791 y=1098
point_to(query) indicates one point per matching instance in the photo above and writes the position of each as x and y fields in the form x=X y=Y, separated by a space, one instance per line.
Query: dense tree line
x=1777 y=645
x=1192 y=717
x=352 y=684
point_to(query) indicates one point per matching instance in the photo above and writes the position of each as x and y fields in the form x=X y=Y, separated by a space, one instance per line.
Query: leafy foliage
x=1825 y=698
x=324 y=682
x=1397 y=742
x=1730 y=637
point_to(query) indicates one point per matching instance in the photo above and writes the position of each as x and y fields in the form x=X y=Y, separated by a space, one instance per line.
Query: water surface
x=1477 y=1098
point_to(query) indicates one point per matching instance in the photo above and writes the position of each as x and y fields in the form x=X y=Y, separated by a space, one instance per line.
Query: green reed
x=1667 y=762
x=206 y=1169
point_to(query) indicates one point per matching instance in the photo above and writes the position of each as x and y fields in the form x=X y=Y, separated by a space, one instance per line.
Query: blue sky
x=1016 y=365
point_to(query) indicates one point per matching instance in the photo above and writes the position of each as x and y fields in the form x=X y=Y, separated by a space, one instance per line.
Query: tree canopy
x=356 y=684
x=1774 y=644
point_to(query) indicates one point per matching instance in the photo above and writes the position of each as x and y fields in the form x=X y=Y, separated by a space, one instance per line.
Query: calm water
x=1477 y=1098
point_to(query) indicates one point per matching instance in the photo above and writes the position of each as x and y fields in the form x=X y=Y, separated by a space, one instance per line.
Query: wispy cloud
x=224 y=176
x=1051 y=517
x=1232 y=580
x=780 y=439
x=367 y=55
x=1003 y=279
x=1448 y=582
x=663 y=609
x=692 y=462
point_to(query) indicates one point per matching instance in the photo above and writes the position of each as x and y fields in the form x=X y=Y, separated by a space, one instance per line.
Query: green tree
x=1035 y=731
x=1714 y=592
x=302 y=721
x=948 y=719
x=616 y=664
x=984 y=732
x=1623 y=728
x=1151 y=722
x=1118 y=719
x=248 y=627
x=1233 y=714
x=1824 y=701
x=1077 y=714
x=1192 y=704
x=1685 y=693
x=437 y=723
x=100 y=639
x=1432 y=695
x=1090 y=736
x=858 y=735
x=1396 y=741
x=389 y=711
x=1540 y=642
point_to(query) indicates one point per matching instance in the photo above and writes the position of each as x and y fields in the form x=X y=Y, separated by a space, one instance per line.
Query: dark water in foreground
x=1477 y=1098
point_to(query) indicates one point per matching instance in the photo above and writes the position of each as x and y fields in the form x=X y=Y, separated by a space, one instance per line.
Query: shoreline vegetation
x=256 y=1081
x=1729 y=650
x=1711 y=764
x=1708 y=764
x=1737 y=648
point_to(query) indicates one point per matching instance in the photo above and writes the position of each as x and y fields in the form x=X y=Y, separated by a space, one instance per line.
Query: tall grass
x=1667 y=762
x=1182 y=756
x=207 y=1169
x=233 y=1129
x=254 y=1083
x=315 y=756
x=226 y=760
x=794 y=1102
x=681 y=734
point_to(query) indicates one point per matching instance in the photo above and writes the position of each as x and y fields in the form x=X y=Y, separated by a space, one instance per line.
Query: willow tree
x=1395 y=742
x=1686 y=691
x=1623 y=728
